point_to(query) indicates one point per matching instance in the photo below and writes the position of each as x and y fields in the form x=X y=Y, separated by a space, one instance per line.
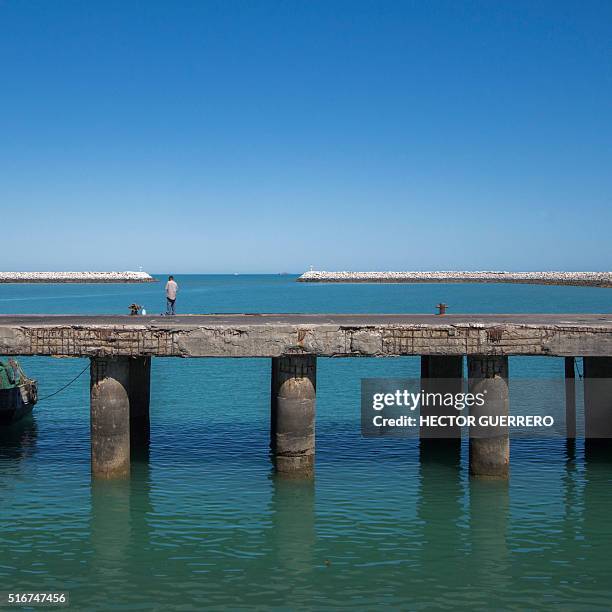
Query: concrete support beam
x=110 y=417
x=292 y=423
x=139 y=395
x=598 y=398
x=489 y=456
x=441 y=374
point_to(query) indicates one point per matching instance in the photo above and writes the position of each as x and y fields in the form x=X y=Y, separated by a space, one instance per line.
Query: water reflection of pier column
x=120 y=529
x=489 y=515
x=489 y=456
x=440 y=508
x=594 y=535
x=572 y=506
x=293 y=523
x=292 y=424
x=111 y=529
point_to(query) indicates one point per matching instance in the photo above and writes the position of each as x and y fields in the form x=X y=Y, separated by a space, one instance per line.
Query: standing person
x=171 y=289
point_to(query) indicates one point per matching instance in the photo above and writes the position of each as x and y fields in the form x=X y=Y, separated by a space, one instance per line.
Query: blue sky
x=268 y=136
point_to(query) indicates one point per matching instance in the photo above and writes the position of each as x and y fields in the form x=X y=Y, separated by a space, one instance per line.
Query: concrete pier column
x=489 y=455
x=441 y=374
x=570 y=398
x=292 y=423
x=598 y=399
x=110 y=417
x=139 y=392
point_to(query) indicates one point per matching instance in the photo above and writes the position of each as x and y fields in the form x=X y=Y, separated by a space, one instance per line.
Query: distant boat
x=18 y=393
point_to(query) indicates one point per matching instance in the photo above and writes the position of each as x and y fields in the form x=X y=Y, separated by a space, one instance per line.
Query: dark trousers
x=170 y=306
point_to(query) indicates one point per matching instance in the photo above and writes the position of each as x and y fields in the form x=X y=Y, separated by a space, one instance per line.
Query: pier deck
x=325 y=335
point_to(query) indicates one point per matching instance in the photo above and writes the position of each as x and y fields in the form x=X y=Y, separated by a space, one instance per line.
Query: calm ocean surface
x=205 y=524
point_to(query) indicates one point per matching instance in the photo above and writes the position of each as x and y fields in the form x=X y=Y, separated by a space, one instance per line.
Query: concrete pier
x=292 y=422
x=441 y=374
x=121 y=348
x=139 y=396
x=110 y=417
x=598 y=399
x=490 y=455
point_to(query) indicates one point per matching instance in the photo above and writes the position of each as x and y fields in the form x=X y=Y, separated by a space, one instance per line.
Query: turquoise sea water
x=204 y=523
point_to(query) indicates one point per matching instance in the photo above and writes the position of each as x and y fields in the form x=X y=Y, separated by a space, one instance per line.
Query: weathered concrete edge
x=326 y=340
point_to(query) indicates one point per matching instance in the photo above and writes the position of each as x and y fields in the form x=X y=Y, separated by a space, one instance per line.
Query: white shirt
x=171 y=289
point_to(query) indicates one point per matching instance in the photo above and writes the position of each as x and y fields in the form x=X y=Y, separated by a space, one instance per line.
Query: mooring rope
x=65 y=386
x=577 y=369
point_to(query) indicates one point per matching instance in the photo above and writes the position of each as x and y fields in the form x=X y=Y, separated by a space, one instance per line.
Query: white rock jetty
x=75 y=277
x=590 y=279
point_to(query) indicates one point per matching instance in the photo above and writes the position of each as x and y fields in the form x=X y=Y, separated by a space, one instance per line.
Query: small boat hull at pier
x=18 y=393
